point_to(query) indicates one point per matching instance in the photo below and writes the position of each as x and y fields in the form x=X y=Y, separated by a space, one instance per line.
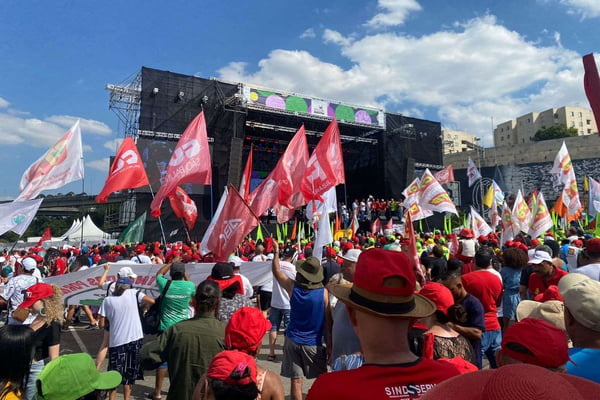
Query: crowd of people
x=475 y=318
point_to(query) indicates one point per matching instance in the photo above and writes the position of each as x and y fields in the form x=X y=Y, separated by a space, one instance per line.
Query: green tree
x=555 y=132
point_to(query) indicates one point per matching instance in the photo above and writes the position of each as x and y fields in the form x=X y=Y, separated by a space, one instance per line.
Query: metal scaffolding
x=125 y=101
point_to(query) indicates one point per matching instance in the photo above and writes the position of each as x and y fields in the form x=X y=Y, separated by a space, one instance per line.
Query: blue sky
x=459 y=62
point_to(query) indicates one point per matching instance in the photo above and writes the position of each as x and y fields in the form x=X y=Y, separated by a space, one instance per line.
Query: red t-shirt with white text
x=487 y=288
x=382 y=382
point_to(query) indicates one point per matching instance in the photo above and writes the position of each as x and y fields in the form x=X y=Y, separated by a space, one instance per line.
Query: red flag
x=338 y=223
x=267 y=194
x=455 y=246
x=126 y=172
x=412 y=252
x=47 y=235
x=390 y=224
x=246 y=178
x=591 y=85
x=190 y=162
x=325 y=167
x=229 y=226
x=184 y=207
x=445 y=175
x=376 y=226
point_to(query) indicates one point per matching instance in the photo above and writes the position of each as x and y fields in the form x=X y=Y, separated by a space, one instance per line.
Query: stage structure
x=382 y=151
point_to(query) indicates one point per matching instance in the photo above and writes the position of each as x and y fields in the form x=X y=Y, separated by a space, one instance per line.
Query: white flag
x=594 y=193
x=478 y=224
x=16 y=216
x=472 y=172
x=493 y=214
x=211 y=227
x=541 y=221
x=62 y=164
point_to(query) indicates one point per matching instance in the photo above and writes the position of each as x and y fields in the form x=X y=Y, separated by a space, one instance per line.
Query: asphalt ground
x=78 y=339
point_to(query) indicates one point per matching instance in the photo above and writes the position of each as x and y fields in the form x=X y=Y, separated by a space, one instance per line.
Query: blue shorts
x=276 y=316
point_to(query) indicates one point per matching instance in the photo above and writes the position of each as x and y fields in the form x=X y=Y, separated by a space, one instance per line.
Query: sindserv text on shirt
x=407 y=391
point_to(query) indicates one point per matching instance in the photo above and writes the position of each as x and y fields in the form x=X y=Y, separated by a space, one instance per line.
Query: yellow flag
x=586 y=185
x=489 y=197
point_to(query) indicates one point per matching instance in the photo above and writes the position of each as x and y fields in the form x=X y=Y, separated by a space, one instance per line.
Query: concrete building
x=523 y=129
x=457 y=141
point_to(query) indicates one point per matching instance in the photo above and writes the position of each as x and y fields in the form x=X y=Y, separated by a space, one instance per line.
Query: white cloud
x=114 y=144
x=331 y=36
x=583 y=8
x=87 y=125
x=470 y=72
x=100 y=165
x=308 y=34
x=394 y=12
x=17 y=127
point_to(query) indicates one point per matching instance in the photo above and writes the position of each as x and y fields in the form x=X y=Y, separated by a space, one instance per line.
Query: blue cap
x=124 y=281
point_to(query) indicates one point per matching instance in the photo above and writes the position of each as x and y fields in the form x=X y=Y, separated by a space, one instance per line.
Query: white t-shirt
x=123 y=317
x=141 y=259
x=248 y=289
x=259 y=258
x=280 y=298
x=13 y=292
x=590 y=270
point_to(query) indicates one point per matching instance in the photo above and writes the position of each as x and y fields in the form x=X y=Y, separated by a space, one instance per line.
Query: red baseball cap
x=515 y=382
x=592 y=245
x=546 y=343
x=552 y=293
x=384 y=284
x=36 y=292
x=246 y=329
x=439 y=294
x=233 y=367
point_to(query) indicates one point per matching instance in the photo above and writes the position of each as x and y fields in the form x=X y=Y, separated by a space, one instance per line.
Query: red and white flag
x=541 y=221
x=325 y=168
x=472 y=172
x=47 y=235
x=376 y=226
x=62 y=164
x=411 y=201
x=246 y=177
x=126 y=172
x=232 y=222
x=445 y=175
x=478 y=224
x=354 y=224
x=184 y=207
x=432 y=195
x=521 y=214
x=291 y=163
x=509 y=229
x=390 y=224
x=190 y=162
x=493 y=214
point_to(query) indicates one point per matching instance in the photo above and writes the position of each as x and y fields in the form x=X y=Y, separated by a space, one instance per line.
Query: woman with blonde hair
x=45 y=303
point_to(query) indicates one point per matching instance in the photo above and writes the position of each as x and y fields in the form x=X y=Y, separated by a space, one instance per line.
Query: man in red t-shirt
x=485 y=283
x=381 y=306
x=544 y=273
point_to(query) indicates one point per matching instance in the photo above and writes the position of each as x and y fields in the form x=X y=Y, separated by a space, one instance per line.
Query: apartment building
x=457 y=141
x=523 y=129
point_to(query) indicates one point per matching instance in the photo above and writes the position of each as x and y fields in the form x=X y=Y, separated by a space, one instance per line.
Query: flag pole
x=82 y=192
x=185 y=228
x=162 y=231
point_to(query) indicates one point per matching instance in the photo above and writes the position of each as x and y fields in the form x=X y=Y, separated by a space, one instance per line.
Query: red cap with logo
x=36 y=292
x=233 y=367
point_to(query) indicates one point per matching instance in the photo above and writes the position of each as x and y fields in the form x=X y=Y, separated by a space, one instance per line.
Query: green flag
x=259 y=234
x=278 y=233
x=134 y=231
x=597 y=230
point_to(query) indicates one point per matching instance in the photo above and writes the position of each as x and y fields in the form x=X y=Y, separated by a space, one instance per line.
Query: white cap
x=29 y=264
x=235 y=260
x=351 y=255
x=540 y=256
x=127 y=272
x=2 y=259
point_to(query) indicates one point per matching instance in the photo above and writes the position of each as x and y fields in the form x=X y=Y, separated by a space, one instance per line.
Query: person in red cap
x=590 y=260
x=514 y=382
x=244 y=333
x=382 y=305
x=534 y=341
x=12 y=296
x=140 y=256
x=44 y=303
x=440 y=340
x=231 y=375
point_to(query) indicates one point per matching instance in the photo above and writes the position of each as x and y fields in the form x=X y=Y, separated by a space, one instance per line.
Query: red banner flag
x=412 y=251
x=229 y=226
x=445 y=175
x=268 y=193
x=47 y=235
x=190 y=162
x=126 y=172
x=591 y=85
x=325 y=168
x=376 y=226
x=247 y=177
x=184 y=207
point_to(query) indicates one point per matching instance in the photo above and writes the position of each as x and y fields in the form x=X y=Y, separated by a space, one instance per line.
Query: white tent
x=86 y=229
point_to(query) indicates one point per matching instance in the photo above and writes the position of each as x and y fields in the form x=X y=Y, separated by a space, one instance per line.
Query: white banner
x=82 y=286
